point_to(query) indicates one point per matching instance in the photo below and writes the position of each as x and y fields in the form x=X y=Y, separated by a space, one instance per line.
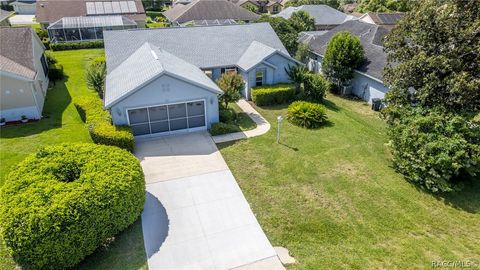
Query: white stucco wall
x=163 y=90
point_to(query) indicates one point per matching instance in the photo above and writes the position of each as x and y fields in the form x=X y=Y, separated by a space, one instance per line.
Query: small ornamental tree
x=231 y=85
x=297 y=75
x=344 y=53
x=95 y=75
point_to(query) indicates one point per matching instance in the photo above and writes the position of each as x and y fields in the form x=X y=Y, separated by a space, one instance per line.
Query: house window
x=229 y=70
x=44 y=64
x=275 y=9
x=209 y=73
x=259 y=76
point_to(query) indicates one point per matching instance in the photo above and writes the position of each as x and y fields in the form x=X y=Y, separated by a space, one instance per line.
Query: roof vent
x=154 y=55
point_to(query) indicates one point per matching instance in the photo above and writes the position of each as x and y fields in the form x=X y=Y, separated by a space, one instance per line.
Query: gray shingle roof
x=254 y=54
x=209 y=10
x=145 y=64
x=322 y=14
x=17 y=51
x=5 y=14
x=370 y=36
x=204 y=47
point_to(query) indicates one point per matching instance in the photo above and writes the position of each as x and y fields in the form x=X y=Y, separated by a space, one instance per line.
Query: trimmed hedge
x=223 y=128
x=60 y=204
x=99 y=124
x=273 y=94
x=306 y=114
x=62 y=46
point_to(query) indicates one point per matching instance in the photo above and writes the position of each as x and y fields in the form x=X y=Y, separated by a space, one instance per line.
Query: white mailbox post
x=279 y=123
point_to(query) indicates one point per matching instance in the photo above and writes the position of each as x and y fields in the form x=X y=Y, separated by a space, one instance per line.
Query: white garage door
x=167 y=118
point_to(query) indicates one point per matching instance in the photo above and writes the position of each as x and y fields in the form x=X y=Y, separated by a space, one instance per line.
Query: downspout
x=35 y=99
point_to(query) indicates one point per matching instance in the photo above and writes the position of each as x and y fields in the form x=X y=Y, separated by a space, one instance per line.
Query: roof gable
x=17 y=51
x=146 y=64
x=209 y=10
x=370 y=36
x=322 y=14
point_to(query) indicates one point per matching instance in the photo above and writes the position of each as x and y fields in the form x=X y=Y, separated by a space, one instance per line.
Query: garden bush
x=273 y=94
x=306 y=114
x=99 y=124
x=315 y=86
x=223 y=128
x=62 y=46
x=55 y=72
x=227 y=115
x=60 y=204
x=435 y=150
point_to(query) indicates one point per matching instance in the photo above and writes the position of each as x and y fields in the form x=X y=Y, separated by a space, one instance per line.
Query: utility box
x=376 y=104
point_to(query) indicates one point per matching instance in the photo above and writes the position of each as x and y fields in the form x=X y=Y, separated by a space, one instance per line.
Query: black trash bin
x=376 y=104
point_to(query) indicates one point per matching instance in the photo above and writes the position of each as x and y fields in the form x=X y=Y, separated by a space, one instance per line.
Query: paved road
x=196 y=216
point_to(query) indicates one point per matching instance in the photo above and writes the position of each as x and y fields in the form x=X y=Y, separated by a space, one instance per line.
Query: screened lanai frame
x=84 y=28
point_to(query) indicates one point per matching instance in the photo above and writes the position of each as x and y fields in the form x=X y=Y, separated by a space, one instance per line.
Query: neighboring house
x=52 y=11
x=325 y=16
x=387 y=20
x=23 y=74
x=4 y=15
x=262 y=6
x=26 y=7
x=368 y=80
x=162 y=80
x=207 y=12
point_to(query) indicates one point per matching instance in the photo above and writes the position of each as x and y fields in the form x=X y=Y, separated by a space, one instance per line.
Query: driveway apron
x=195 y=215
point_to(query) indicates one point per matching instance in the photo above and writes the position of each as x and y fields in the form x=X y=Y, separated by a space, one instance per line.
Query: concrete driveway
x=196 y=216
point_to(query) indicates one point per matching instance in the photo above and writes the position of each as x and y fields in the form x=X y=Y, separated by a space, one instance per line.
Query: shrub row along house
x=368 y=80
x=79 y=20
x=208 y=12
x=23 y=74
x=162 y=80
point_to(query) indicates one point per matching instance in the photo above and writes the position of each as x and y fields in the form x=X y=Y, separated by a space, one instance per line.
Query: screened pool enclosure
x=86 y=27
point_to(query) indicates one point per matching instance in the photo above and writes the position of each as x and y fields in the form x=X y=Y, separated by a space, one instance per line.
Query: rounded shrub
x=306 y=114
x=223 y=128
x=227 y=115
x=60 y=204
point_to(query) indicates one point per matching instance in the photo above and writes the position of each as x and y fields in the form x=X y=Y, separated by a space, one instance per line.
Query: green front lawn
x=63 y=124
x=332 y=198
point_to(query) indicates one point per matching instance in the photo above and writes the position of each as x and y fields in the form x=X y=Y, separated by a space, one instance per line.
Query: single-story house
x=368 y=79
x=163 y=80
x=387 y=20
x=23 y=74
x=208 y=12
x=52 y=11
x=262 y=6
x=24 y=6
x=325 y=16
x=4 y=15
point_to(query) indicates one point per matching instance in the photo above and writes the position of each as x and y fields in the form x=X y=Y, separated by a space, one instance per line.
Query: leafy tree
x=303 y=52
x=433 y=56
x=302 y=21
x=284 y=30
x=231 y=84
x=384 y=6
x=344 y=53
x=435 y=150
x=297 y=75
x=295 y=3
x=95 y=75
x=433 y=75
x=315 y=86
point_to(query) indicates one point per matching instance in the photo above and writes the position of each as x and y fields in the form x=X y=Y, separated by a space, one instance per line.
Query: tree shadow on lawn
x=57 y=100
x=467 y=199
